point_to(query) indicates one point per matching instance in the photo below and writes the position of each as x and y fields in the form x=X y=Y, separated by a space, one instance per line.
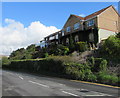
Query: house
x=42 y=43
x=91 y=29
x=52 y=39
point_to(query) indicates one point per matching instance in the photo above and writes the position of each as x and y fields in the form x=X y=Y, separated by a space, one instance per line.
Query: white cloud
x=82 y=15
x=15 y=35
x=116 y=7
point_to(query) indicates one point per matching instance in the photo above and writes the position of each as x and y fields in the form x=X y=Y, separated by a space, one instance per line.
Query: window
x=90 y=23
x=62 y=33
x=52 y=37
x=91 y=37
x=68 y=29
x=57 y=36
x=76 y=38
x=76 y=26
x=67 y=40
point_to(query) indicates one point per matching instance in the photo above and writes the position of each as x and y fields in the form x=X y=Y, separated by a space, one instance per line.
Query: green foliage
x=62 y=50
x=31 y=48
x=104 y=77
x=81 y=46
x=5 y=61
x=23 y=53
x=58 y=64
x=92 y=61
x=92 y=77
x=118 y=35
x=80 y=71
x=46 y=55
x=111 y=46
x=56 y=50
x=97 y=64
x=103 y=65
x=71 y=44
x=18 y=54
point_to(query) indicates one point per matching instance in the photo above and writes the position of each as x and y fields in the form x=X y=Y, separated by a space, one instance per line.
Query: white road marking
x=39 y=84
x=95 y=95
x=62 y=84
x=9 y=88
x=70 y=89
x=10 y=73
x=69 y=93
x=21 y=77
x=101 y=94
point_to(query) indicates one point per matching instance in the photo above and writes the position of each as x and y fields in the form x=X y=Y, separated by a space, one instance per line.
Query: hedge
x=66 y=70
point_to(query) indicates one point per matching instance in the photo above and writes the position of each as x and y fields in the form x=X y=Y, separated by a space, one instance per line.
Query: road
x=24 y=84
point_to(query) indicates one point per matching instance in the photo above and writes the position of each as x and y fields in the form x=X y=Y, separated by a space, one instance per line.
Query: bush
x=103 y=65
x=75 y=71
x=111 y=47
x=81 y=46
x=106 y=78
x=118 y=35
x=91 y=77
x=97 y=64
x=62 y=50
x=71 y=44
x=46 y=55
x=5 y=61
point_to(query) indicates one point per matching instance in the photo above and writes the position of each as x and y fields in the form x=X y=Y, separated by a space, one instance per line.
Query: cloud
x=82 y=15
x=14 y=35
x=116 y=7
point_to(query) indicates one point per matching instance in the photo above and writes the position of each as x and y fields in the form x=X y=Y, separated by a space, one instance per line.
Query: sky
x=25 y=23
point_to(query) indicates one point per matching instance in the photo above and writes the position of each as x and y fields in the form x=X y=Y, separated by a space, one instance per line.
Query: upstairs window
x=52 y=37
x=76 y=26
x=90 y=23
x=68 y=29
x=62 y=33
x=57 y=36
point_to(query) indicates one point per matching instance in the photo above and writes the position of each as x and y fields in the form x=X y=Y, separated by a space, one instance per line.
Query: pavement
x=24 y=84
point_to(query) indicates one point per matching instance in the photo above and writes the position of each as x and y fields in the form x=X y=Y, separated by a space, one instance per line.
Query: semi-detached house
x=91 y=29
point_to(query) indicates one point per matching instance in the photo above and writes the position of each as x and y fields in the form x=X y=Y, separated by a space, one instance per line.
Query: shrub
x=91 y=77
x=5 y=61
x=111 y=46
x=81 y=46
x=97 y=64
x=46 y=55
x=118 y=35
x=103 y=65
x=62 y=50
x=104 y=77
x=71 y=44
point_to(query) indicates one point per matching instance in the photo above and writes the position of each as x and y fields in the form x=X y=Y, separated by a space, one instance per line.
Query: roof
x=96 y=13
x=53 y=34
x=93 y=14
x=82 y=18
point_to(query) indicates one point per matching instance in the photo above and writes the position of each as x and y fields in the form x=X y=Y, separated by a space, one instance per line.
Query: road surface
x=23 y=84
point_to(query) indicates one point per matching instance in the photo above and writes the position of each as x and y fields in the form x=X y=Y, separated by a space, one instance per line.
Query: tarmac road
x=24 y=84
